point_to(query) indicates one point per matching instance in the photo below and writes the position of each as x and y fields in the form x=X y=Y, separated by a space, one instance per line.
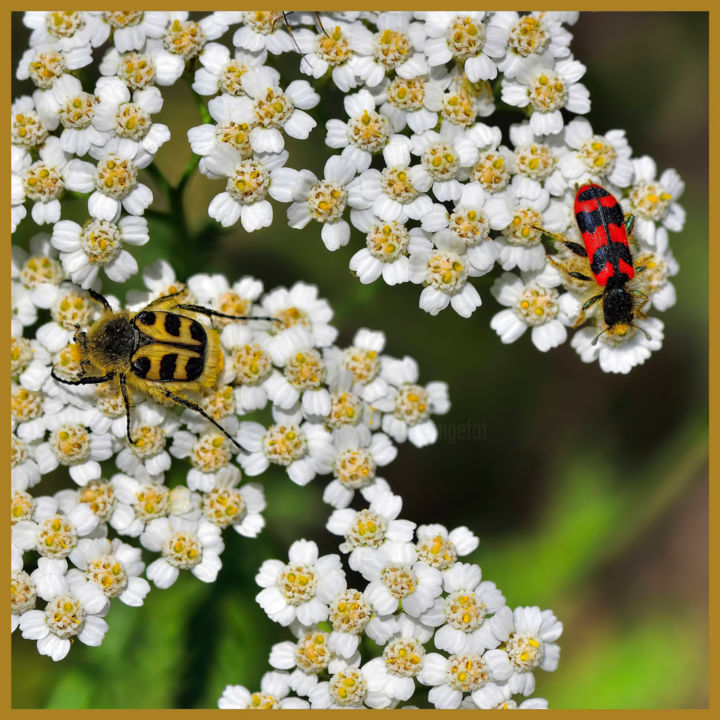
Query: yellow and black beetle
x=157 y=350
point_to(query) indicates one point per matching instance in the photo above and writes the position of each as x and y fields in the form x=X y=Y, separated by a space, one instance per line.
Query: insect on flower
x=158 y=350
x=605 y=232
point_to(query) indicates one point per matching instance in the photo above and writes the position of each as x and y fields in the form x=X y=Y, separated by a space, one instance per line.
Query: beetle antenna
x=647 y=335
x=597 y=337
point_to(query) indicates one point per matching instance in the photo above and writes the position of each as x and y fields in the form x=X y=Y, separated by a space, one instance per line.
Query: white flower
x=463 y=616
x=529 y=637
x=127 y=117
x=139 y=70
x=263 y=30
x=73 y=444
x=548 y=87
x=600 y=158
x=240 y=507
x=65 y=29
x=532 y=34
x=98 y=244
x=222 y=73
x=408 y=406
x=248 y=183
x=304 y=449
x=306 y=658
x=440 y=548
x=44 y=65
x=130 y=28
x=25 y=472
x=184 y=544
x=74 y=610
x=466 y=38
x=616 y=352
x=302 y=588
x=323 y=200
x=520 y=244
x=357 y=455
x=398 y=191
x=365 y=133
x=150 y=426
x=28 y=129
x=396 y=46
x=654 y=201
x=351 y=687
x=210 y=455
x=139 y=503
x=533 y=302
x=30 y=362
x=300 y=305
x=444 y=270
x=274 y=109
x=402 y=658
x=456 y=675
x=113 y=182
x=387 y=246
x=54 y=532
x=67 y=104
x=331 y=47
x=492 y=697
x=536 y=162
x=44 y=181
x=659 y=266
x=367 y=530
x=414 y=102
x=274 y=690
x=395 y=575
x=114 y=567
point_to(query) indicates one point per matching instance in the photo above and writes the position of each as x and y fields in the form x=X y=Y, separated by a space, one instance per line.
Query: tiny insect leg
x=126 y=401
x=95 y=380
x=582 y=315
x=576 y=248
x=566 y=269
x=180 y=400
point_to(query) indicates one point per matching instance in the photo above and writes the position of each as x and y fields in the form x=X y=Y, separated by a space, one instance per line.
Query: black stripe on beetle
x=147 y=317
x=172 y=324
x=167 y=366
x=141 y=366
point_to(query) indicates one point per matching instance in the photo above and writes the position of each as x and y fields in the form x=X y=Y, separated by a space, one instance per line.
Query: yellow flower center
x=369 y=131
x=42 y=182
x=136 y=70
x=283 y=444
x=528 y=35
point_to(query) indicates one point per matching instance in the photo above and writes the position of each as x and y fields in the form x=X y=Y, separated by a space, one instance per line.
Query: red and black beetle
x=605 y=232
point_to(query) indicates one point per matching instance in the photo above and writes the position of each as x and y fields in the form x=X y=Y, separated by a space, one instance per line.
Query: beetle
x=605 y=232
x=162 y=350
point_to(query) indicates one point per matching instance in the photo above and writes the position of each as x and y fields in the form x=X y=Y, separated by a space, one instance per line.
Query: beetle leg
x=126 y=400
x=566 y=269
x=591 y=301
x=574 y=247
x=95 y=380
x=629 y=224
x=98 y=298
x=180 y=400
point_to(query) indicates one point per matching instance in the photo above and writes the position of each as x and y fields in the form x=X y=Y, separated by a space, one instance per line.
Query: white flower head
x=548 y=86
x=301 y=589
x=183 y=544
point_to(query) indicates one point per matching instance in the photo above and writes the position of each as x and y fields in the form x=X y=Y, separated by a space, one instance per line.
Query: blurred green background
x=588 y=491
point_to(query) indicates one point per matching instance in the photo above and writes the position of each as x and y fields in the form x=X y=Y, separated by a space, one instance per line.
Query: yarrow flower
x=150 y=409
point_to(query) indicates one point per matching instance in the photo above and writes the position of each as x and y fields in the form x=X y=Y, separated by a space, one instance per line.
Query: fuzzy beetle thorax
x=111 y=341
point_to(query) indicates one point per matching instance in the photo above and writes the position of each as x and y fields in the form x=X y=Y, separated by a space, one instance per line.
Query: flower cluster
x=330 y=411
x=438 y=193
x=441 y=634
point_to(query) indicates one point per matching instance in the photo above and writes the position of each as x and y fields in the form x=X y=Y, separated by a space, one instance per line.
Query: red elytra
x=602 y=225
